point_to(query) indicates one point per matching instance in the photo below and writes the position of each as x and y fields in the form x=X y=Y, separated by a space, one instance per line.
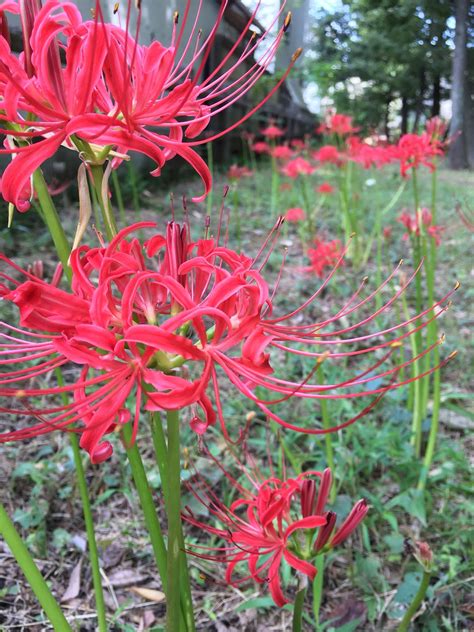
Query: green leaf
x=256 y=602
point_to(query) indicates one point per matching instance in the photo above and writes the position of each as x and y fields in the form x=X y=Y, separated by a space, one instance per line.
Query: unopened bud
x=423 y=554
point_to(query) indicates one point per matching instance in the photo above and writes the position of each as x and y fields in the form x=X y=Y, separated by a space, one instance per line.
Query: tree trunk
x=469 y=110
x=404 y=115
x=458 y=148
x=420 y=101
x=436 y=96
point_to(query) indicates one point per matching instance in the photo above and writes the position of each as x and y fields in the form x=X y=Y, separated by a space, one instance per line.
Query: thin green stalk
x=235 y=210
x=91 y=541
x=119 y=196
x=327 y=437
x=147 y=503
x=318 y=589
x=132 y=178
x=275 y=184
x=210 y=164
x=434 y=427
x=161 y=454
x=298 y=610
x=105 y=208
x=51 y=218
x=415 y=604
x=432 y=334
x=414 y=399
x=88 y=520
x=173 y=609
x=33 y=576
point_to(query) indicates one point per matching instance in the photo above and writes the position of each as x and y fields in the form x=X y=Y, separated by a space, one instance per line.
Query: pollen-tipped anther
x=176 y=17
x=452 y=355
x=116 y=8
x=457 y=285
x=296 y=54
x=287 y=22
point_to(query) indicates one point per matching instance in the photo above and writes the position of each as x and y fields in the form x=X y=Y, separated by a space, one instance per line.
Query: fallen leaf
x=150 y=594
x=126 y=577
x=74 y=586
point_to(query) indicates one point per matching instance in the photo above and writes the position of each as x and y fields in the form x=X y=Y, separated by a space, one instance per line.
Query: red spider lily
x=324 y=254
x=261 y=147
x=236 y=173
x=339 y=124
x=276 y=521
x=282 y=152
x=369 y=155
x=298 y=144
x=272 y=132
x=298 y=167
x=325 y=188
x=414 y=150
x=155 y=325
x=415 y=223
x=295 y=215
x=329 y=153
x=436 y=129
x=113 y=94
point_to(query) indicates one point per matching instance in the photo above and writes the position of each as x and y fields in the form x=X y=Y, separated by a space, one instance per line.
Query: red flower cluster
x=152 y=325
x=282 y=152
x=324 y=254
x=298 y=167
x=325 y=188
x=113 y=95
x=278 y=521
x=272 y=132
x=339 y=124
x=260 y=147
x=414 y=150
x=423 y=219
x=235 y=172
x=295 y=215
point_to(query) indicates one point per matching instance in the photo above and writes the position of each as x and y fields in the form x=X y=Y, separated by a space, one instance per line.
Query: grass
x=369 y=581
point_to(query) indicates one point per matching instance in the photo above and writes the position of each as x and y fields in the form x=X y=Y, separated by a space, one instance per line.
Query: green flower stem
x=91 y=541
x=32 y=574
x=105 y=208
x=88 y=520
x=298 y=610
x=327 y=437
x=132 y=179
x=175 y=553
x=318 y=589
x=275 y=183
x=420 y=387
x=51 y=218
x=415 y=604
x=147 y=503
x=235 y=211
x=161 y=453
x=119 y=196
x=432 y=334
x=210 y=164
